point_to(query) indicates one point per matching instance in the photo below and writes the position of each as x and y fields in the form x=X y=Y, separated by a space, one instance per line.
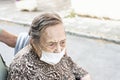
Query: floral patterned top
x=28 y=66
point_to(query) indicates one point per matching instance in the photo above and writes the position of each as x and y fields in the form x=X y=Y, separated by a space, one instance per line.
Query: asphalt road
x=100 y=58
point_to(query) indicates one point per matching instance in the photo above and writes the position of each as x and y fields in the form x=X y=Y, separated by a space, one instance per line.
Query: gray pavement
x=87 y=27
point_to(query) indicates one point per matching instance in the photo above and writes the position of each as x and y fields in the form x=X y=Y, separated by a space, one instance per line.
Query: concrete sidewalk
x=85 y=27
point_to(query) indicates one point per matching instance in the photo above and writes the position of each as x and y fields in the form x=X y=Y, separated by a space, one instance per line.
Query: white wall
x=107 y=8
x=48 y=5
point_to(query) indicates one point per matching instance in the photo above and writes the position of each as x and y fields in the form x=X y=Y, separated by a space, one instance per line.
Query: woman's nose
x=58 y=48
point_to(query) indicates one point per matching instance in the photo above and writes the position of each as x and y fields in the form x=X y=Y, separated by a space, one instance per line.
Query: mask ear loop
x=65 y=52
x=40 y=50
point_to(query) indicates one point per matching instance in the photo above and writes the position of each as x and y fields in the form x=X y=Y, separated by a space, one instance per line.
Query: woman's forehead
x=54 y=33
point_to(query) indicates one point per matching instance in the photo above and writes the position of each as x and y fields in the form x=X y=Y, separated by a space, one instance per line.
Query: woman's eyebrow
x=53 y=41
x=63 y=40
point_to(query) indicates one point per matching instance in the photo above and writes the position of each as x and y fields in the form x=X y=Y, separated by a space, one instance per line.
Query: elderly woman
x=45 y=58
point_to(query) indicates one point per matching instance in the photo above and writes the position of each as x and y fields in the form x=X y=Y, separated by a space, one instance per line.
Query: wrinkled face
x=53 y=39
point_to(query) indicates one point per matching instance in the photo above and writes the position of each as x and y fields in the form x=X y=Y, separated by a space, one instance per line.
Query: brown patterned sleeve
x=79 y=72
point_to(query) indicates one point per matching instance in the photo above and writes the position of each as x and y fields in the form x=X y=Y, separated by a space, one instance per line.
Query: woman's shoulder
x=21 y=56
x=23 y=52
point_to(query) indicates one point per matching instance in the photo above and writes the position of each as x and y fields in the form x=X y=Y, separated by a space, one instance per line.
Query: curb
x=75 y=33
x=93 y=37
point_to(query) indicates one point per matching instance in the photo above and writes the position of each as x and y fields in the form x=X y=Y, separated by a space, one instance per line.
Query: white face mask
x=52 y=58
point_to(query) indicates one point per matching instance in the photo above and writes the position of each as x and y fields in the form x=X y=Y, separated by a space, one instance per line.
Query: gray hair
x=43 y=21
